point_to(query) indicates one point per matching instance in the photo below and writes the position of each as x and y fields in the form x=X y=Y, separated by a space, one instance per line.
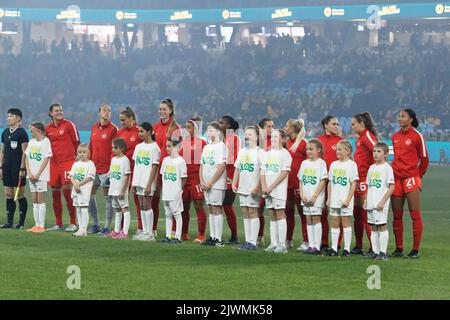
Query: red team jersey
x=410 y=154
x=161 y=137
x=100 y=145
x=297 y=158
x=233 y=144
x=191 y=151
x=131 y=137
x=364 y=152
x=329 y=142
x=64 y=139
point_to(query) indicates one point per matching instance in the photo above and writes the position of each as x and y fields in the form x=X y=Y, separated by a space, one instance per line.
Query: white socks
x=219 y=226
x=168 y=225
x=84 y=214
x=254 y=230
x=36 y=213
x=126 y=222
x=282 y=229
x=42 y=210
x=375 y=239
x=212 y=226
x=179 y=226
x=251 y=227
x=335 y=238
x=310 y=230
x=273 y=233
x=317 y=231
x=147 y=221
x=384 y=239
x=118 y=221
x=347 y=238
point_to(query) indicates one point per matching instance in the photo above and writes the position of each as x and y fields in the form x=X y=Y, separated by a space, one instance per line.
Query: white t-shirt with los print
x=274 y=163
x=213 y=155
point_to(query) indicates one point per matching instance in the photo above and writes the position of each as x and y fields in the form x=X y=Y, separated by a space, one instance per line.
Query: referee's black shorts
x=11 y=175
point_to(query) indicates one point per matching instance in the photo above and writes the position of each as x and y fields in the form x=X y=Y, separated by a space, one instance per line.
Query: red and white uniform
x=161 y=135
x=364 y=159
x=100 y=145
x=329 y=142
x=191 y=151
x=410 y=160
x=233 y=144
x=131 y=137
x=64 y=139
x=297 y=158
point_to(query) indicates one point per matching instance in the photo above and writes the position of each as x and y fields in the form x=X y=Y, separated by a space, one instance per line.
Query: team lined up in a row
x=147 y=156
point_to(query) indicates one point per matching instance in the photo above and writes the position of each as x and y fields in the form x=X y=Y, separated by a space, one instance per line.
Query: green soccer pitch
x=34 y=266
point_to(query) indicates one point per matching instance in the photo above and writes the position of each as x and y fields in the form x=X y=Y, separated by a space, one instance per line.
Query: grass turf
x=34 y=266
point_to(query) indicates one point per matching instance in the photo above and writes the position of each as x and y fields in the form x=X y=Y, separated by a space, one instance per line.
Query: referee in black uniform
x=12 y=166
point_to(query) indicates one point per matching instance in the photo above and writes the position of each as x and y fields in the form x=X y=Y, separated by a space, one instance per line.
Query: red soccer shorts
x=60 y=173
x=192 y=192
x=404 y=186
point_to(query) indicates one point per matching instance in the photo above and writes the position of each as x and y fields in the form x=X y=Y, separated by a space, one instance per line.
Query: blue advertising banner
x=224 y=15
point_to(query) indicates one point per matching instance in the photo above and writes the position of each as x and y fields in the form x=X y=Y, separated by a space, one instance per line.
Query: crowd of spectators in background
x=281 y=80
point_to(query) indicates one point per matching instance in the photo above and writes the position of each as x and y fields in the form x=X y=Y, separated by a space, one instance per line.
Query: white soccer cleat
x=280 y=249
x=303 y=247
x=270 y=248
x=71 y=228
x=138 y=235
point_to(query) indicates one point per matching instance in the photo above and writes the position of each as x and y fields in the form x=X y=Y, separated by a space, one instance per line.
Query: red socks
x=359 y=226
x=417 y=228
x=57 y=206
x=138 y=210
x=262 y=223
x=155 y=208
x=290 y=222
x=398 y=228
x=231 y=219
x=70 y=207
x=201 y=222
x=325 y=227
x=186 y=217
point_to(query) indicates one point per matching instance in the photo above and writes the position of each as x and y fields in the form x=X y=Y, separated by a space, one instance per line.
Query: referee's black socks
x=10 y=209
x=23 y=208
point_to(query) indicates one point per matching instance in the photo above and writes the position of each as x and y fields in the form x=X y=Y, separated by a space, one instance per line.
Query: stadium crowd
x=308 y=79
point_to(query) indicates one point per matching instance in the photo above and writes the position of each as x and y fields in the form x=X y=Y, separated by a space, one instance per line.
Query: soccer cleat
x=280 y=249
x=308 y=251
x=138 y=235
x=233 y=241
x=357 y=250
x=252 y=246
x=94 y=229
x=260 y=241
x=346 y=254
x=113 y=235
x=270 y=248
x=33 y=229
x=413 y=254
x=175 y=241
x=104 y=232
x=147 y=237
x=332 y=253
x=324 y=250
x=398 y=253
x=56 y=228
x=71 y=228
x=199 y=239
x=6 y=226
x=185 y=237
x=122 y=235
x=208 y=241
x=315 y=252
x=18 y=226
x=382 y=256
x=244 y=246
x=219 y=243
x=289 y=244
x=370 y=255
x=303 y=247
x=80 y=233
x=39 y=230
x=165 y=240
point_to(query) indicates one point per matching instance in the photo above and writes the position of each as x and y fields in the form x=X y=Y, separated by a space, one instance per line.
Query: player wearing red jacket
x=410 y=165
x=64 y=139
x=296 y=145
x=191 y=151
x=165 y=128
x=130 y=133
x=329 y=140
x=266 y=126
x=102 y=134
x=229 y=126
x=363 y=126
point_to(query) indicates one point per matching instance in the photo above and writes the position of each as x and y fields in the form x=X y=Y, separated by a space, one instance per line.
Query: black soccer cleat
x=398 y=253
x=413 y=254
x=346 y=254
x=382 y=256
x=332 y=253
x=357 y=250
x=371 y=255
x=18 y=226
x=324 y=250
x=233 y=241
x=207 y=242
x=6 y=226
